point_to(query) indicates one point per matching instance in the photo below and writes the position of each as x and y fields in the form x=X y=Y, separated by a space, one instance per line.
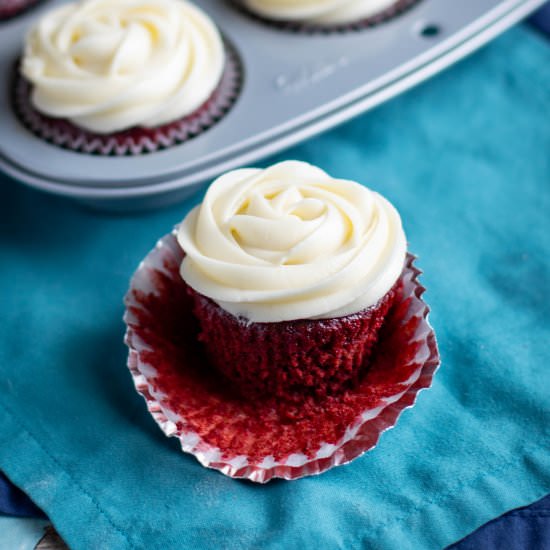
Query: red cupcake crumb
x=290 y=360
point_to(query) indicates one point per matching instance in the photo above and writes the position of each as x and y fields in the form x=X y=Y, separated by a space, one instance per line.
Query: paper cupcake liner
x=260 y=440
x=396 y=9
x=134 y=141
x=11 y=8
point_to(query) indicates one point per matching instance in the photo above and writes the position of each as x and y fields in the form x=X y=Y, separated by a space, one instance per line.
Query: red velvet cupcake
x=325 y=16
x=124 y=77
x=292 y=273
x=290 y=359
x=11 y=8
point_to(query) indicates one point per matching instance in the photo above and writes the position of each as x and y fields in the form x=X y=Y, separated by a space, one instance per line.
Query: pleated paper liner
x=11 y=8
x=260 y=440
x=137 y=140
x=383 y=16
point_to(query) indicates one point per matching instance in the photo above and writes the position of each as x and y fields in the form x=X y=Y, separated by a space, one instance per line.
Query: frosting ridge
x=108 y=65
x=290 y=242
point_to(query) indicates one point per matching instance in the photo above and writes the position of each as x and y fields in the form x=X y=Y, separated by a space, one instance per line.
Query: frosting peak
x=108 y=65
x=290 y=242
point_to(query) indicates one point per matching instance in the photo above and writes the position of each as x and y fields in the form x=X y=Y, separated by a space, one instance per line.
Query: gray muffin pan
x=295 y=86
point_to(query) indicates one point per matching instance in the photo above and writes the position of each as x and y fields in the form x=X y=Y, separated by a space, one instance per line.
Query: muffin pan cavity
x=395 y=10
x=294 y=85
x=136 y=141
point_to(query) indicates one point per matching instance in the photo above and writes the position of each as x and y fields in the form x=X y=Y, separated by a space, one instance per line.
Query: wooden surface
x=51 y=541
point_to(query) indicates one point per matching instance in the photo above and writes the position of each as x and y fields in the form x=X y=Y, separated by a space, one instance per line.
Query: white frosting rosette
x=318 y=12
x=108 y=65
x=290 y=242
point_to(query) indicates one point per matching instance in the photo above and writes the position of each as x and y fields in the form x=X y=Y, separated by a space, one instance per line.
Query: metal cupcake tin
x=295 y=85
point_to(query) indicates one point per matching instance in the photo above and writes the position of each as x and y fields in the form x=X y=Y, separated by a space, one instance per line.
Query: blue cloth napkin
x=541 y=18
x=465 y=158
x=14 y=502
x=524 y=528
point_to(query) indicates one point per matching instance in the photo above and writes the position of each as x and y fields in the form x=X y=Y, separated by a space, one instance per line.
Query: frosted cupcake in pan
x=292 y=273
x=121 y=71
x=327 y=13
x=11 y=8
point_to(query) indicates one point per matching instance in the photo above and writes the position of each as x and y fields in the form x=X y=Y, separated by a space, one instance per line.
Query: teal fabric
x=466 y=159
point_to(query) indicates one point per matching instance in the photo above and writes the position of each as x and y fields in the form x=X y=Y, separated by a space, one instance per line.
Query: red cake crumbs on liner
x=290 y=359
x=186 y=384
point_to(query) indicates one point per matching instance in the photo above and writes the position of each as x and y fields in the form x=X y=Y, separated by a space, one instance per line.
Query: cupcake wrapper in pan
x=134 y=141
x=396 y=9
x=257 y=440
x=10 y=8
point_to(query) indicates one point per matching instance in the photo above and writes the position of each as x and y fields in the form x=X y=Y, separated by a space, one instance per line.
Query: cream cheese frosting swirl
x=290 y=242
x=108 y=65
x=318 y=12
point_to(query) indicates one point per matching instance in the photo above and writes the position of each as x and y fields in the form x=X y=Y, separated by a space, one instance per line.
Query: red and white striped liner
x=357 y=438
